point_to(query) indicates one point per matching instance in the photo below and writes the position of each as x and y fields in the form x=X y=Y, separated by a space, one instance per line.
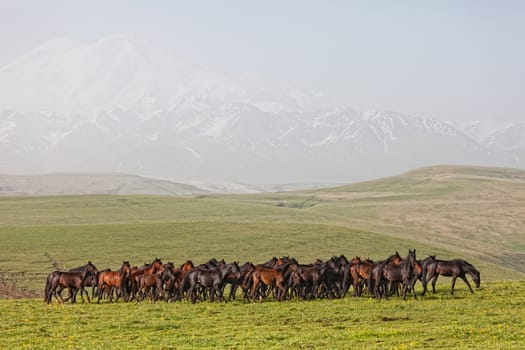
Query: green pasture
x=491 y=318
x=477 y=214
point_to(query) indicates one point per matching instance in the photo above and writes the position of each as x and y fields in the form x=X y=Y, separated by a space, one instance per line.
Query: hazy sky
x=454 y=60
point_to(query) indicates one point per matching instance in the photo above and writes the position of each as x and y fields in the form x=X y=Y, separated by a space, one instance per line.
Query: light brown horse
x=270 y=278
x=110 y=280
x=361 y=271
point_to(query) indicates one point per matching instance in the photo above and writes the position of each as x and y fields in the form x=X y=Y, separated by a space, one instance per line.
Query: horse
x=245 y=276
x=64 y=279
x=450 y=268
x=212 y=280
x=151 y=285
x=92 y=280
x=376 y=276
x=111 y=280
x=187 y=266
x=401 y=273
x=151 y=268
x=360 y=271
x=269 y=277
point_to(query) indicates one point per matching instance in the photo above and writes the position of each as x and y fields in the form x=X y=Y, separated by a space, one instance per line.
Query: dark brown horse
x=433 y=268
x=402 y=273
x=150 y=285
x=60 y=280
x=376 y=280
x=149 y=269
x=91 y=280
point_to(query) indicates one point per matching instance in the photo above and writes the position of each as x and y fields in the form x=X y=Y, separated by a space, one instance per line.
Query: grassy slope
x=474 y=213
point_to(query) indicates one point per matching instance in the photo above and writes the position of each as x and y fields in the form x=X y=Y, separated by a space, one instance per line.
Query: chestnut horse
x=110 y=280
x=270 y=278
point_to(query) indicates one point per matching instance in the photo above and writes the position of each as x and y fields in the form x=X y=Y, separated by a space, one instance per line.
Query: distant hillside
x=69 y=184
x=475 y=211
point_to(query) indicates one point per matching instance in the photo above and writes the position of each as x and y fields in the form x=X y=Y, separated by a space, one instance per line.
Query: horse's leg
x=82 y=295
x=464 y=278
x=99 y=295
x=59 y=293
x=453 y=284
x=87 y=294
x=233 y=290
x=74 y=297
x=413 y=286
x=434 y=279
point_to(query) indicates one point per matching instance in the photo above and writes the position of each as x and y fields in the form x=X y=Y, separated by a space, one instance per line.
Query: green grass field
x=492 y=318
x=474 y=213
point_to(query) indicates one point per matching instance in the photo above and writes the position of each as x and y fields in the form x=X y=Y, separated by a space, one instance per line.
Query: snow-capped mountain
x=123 y=72
x=120 y=105
x=498 y=136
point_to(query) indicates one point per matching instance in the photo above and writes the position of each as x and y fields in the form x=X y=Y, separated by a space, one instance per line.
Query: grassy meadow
x=474 y=213
x=492 y=318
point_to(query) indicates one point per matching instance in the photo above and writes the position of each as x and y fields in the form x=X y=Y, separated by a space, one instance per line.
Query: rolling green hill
x=474 y=213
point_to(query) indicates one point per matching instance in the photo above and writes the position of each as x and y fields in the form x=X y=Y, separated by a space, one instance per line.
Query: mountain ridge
x=120 y=105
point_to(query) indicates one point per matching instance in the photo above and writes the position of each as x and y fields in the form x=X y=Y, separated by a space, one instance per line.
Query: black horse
x=402 y=273
x=211 y=280
x=433 y=267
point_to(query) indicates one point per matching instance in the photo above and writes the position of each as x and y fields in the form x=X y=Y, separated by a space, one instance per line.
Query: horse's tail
x=51 y=285
x=185 y=285
x=347 y=280
x=47 y=290
x=424 y=270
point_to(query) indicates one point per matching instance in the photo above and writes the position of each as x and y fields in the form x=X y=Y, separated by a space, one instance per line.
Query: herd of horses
x=281 y=278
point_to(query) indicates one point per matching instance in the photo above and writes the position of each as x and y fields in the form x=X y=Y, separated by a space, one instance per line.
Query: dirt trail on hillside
x=10 y=291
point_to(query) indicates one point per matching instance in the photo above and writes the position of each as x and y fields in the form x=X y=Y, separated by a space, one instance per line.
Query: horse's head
x=411 y=257
x=92 y=268
x=125 y=268
x=281 y=261
x=157 y=263
x=236 y=269
x=342 y=260
x=187 y=266
x=476 y=278
x=395 y=259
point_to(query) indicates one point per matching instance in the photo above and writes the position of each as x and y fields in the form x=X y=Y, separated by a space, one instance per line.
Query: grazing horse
x=73 y=280
x=449 y=268
x=110 y=280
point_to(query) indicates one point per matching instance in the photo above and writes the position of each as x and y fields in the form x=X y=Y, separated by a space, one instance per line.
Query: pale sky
x=453 y=60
